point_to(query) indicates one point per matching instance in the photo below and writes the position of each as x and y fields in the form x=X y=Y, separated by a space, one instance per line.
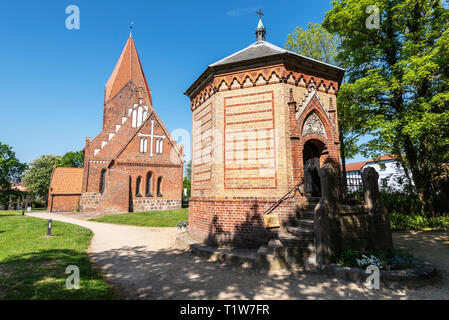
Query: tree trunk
x=344 y=183
x=422 y=181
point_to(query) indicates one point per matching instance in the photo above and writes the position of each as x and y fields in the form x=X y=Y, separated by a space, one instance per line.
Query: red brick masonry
x=233 y=221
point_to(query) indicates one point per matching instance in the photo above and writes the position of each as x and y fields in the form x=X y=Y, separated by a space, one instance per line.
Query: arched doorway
x=311 y=156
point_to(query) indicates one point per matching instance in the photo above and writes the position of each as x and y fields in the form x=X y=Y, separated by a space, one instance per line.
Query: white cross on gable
x=159 y=141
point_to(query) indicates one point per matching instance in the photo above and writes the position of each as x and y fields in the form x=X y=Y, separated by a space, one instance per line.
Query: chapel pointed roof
x=127 y=68
x=261 y=53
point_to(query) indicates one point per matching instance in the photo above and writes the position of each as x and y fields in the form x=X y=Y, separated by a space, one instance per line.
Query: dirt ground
x=142 y=263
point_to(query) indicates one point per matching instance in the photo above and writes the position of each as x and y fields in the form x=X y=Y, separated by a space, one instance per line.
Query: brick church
x=133 y=164
x=264 y=120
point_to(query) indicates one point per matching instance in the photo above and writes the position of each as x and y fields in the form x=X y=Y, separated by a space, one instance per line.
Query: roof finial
x=260 y=31
x=131 y=29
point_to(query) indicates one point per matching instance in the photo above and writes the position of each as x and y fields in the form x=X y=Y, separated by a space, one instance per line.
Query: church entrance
x=311 y=156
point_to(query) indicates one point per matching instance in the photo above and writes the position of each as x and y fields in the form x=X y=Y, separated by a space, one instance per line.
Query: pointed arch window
x=134 y=118
x=159 y=187
x=102 y=180
x=139 y=116
x=143 y=146
x=138 y=186
x=148 y=184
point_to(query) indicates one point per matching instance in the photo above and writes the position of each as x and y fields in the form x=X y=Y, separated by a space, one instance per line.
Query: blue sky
x=52 y=78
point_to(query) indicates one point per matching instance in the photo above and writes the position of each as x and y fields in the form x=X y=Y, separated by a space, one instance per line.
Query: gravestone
x=378 y=219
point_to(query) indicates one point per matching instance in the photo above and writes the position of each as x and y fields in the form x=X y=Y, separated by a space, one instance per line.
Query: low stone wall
x=140 y=205
x=354 y=226
x=420 y=269
x=340 y=226
x=89 y=201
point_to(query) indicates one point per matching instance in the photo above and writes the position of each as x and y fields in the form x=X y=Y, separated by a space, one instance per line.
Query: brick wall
x=115 y=197
x=234 y=221
x=114 y=107
x=61 y=203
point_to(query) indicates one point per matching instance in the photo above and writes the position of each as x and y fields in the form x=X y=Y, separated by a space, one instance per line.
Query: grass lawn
x=33 y=267
x=168 y=218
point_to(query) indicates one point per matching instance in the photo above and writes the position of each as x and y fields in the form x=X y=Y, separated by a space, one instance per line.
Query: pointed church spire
x=128 y=68
x=260 y=31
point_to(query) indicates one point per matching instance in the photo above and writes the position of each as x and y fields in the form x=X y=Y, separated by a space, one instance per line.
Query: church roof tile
x=66 y=180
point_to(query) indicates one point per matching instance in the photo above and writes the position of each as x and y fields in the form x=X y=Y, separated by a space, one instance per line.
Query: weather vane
x=131 y=28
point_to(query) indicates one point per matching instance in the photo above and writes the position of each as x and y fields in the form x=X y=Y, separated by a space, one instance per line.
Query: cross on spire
x=131 y=28
x=260 y=31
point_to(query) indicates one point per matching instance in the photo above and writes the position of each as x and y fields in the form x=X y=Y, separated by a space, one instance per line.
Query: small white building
x=23 y=200
x=391 y=173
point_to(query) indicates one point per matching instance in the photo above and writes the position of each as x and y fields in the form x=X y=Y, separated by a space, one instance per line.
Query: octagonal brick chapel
x=263 y=119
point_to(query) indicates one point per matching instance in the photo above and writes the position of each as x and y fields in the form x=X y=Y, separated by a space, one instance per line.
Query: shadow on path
x=176 y=274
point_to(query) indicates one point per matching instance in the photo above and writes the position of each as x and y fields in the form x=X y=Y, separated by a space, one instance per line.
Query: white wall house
x=391 y=173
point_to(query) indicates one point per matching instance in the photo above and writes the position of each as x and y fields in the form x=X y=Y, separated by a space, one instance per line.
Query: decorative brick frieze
x=263 y=76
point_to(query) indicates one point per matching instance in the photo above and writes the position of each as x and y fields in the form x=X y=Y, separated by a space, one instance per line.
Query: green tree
x=314 y=42
x=189 y=170
x=37 y=177
x=73 y=159
x=186 y=183
x=11 y=169
x=317 y=43
x=398 y=80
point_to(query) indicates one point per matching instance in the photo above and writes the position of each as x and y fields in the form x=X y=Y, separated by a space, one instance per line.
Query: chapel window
x=148 y=184
x=159 y=187
x=138 y=184
x=102 y=180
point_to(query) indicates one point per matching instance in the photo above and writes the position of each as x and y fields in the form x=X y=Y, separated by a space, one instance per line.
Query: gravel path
x=142 y=263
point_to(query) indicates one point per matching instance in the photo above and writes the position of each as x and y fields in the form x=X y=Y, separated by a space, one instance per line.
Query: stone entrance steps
x=292 y=249
x=295 y=247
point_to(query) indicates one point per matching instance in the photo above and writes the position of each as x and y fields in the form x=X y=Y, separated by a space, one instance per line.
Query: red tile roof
x=66 y=180
x=384 y=158
x=356 y=166
x=18 y=187
x=128 y=68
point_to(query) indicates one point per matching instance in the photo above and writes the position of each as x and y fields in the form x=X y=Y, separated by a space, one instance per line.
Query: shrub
x=348 y=257
x=401 y=202
x=404 y=222
x=390 y=259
